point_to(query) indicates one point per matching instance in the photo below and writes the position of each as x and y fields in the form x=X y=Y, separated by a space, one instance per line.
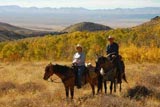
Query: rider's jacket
x=79 y=59
x=113 y=48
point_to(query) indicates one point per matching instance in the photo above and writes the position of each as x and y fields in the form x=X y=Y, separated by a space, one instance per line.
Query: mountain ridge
x=11 y=32
x=59 y=18
x=86 y=26
x=34 y=7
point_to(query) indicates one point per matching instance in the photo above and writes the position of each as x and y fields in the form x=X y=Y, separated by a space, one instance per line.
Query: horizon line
x=76 y=7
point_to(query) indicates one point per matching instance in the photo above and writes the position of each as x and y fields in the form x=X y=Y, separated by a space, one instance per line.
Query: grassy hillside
x=86 y=26
x=138 y=44
x=10 y=32
x=21 y=32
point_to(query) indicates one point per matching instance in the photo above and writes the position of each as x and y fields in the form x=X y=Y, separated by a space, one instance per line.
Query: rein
x=53 y=80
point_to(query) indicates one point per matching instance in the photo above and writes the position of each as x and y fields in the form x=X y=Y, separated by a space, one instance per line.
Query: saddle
x=84 y=75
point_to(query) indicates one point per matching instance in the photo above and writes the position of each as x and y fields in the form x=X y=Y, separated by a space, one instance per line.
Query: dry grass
x=22 y=85
x=30 y=87
x=6 y=87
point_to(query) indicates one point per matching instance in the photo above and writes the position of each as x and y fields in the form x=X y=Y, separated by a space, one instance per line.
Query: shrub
x=139 y=92
x=5 y=87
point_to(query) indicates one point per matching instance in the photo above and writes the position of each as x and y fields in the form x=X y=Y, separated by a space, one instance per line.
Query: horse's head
x=48 y=71
x=102 y=62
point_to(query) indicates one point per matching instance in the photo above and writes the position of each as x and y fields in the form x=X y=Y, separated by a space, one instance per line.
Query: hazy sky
x=90 y=4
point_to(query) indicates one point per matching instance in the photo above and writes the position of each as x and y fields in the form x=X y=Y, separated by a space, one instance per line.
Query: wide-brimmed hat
x=110 y=37
x=78 y=46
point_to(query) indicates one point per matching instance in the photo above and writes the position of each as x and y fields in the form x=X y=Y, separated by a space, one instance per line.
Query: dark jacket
x=113 y=48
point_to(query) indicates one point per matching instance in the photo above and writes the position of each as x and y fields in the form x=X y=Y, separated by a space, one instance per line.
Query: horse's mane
x=103 y=58
x=63 y=69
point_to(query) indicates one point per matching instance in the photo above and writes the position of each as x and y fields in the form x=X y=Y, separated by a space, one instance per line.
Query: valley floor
x=22 y=85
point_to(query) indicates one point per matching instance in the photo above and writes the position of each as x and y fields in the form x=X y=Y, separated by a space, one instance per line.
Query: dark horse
x=67 y=75
x=108 y=71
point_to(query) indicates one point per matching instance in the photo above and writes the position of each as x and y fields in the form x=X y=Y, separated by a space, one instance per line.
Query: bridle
x=53 y=80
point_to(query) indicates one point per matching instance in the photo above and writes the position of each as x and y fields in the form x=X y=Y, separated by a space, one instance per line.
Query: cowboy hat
x=78 y=46
x=110 y=37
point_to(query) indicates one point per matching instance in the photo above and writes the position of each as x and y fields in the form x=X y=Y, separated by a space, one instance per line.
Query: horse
x=108 y=71
x=67 y=75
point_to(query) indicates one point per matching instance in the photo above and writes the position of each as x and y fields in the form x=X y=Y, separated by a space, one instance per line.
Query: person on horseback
x=113 y=51
x=79 y=62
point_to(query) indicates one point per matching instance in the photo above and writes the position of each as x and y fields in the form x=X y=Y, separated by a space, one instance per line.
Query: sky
x=89 y=4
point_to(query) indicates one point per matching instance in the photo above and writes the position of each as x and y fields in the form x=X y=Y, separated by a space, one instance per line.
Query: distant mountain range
x=86 y=26
x=53 y=19
x=10 y=32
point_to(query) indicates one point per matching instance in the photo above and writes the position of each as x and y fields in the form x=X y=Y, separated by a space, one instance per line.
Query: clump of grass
x=157 y=96
x=30 y=87
x=139 y=92
x=48 y=97
x=3 y=104
x=23 y=102
x=5 y=87
x=114 y=101
x=153 y=80
x=51 y=99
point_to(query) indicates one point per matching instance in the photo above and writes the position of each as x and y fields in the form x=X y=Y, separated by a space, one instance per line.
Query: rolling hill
x=86 y=26
x=154 y=22
x=148 y=32
x=10 y=32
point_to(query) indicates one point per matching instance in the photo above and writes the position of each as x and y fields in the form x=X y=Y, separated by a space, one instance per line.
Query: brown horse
x=67 y=75
x=108 y=71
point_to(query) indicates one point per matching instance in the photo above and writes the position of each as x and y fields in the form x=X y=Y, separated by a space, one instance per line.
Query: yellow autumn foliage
x=134 y=46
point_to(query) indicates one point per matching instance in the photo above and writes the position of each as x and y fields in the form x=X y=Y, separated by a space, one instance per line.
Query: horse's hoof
x=72 y=99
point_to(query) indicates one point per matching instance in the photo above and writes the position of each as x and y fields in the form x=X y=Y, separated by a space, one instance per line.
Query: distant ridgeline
x=137 y=44
x=10 y=32
x=86 y=26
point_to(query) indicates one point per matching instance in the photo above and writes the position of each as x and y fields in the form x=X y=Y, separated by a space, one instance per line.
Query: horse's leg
x=99 y=84
x=67 y=91
x=111 y=85
x=115 y=85
x=120 y=89
x=72 y=92
x=121 y=83
x=105 y=86
x=93 y=89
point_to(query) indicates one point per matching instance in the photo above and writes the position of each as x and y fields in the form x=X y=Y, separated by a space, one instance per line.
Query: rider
x=79 y=61
x=113 y=50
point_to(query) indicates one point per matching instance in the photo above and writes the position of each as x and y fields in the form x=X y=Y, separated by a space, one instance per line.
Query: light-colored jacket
x=79 y=59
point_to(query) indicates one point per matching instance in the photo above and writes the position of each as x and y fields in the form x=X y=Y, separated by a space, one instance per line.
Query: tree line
x=136 y=45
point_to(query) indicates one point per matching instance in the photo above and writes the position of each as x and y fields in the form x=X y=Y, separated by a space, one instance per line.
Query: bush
x=5 y=87
x=139 y=92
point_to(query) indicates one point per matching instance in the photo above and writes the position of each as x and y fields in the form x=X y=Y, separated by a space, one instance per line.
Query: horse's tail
x=124 y=75
x=124 y=78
